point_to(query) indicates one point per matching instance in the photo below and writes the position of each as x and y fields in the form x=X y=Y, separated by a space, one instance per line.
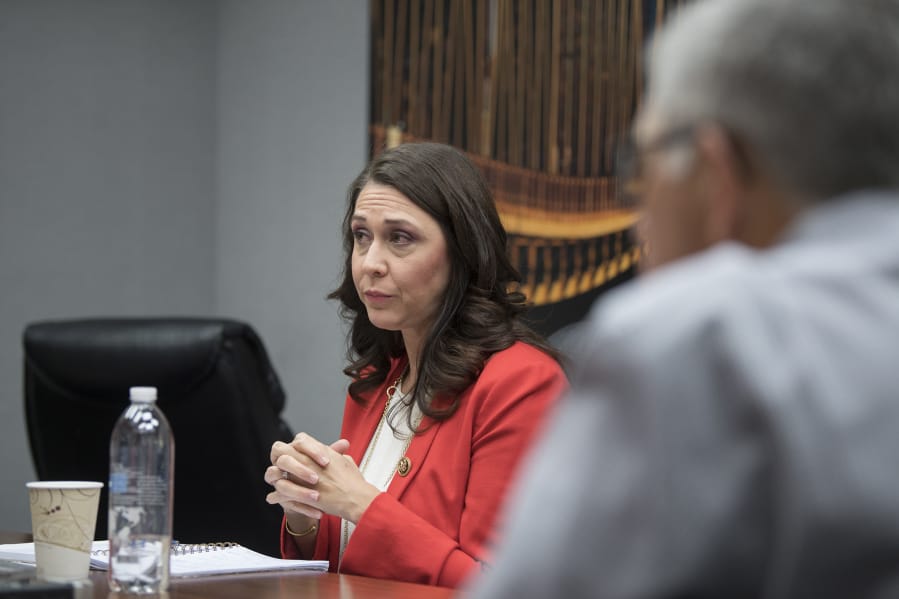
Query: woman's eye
x=400 y=237
x=360 y=235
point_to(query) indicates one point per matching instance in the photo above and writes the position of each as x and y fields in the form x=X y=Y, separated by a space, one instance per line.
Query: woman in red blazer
x=448 y=388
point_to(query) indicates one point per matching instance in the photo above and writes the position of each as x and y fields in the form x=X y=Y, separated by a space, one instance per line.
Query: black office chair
x=216 y=387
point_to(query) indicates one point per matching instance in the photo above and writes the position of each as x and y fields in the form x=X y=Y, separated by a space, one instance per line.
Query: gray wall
x=177 y=158
x=293 y=92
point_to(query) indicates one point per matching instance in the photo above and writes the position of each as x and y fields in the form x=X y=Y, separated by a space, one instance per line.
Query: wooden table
x=270 y=585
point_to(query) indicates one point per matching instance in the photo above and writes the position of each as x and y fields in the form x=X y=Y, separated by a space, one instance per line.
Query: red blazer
x=436 y=524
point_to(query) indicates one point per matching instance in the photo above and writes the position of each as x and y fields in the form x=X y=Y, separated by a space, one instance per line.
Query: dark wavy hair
x=482 y=307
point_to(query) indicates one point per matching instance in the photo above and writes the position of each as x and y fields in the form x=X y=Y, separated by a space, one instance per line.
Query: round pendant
x=404 y=466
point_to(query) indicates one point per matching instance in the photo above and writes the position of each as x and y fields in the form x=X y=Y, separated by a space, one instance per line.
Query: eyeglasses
x=629 y=160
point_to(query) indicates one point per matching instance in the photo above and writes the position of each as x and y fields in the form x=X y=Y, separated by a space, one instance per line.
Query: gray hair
x=811 y=87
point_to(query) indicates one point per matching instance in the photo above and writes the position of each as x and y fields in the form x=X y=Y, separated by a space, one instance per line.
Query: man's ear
x=723 y=182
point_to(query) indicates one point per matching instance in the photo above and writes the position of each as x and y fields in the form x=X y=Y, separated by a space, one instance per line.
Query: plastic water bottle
x=141 y=474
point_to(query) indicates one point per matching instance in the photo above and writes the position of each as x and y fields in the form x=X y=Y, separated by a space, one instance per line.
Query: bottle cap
x=142 y=394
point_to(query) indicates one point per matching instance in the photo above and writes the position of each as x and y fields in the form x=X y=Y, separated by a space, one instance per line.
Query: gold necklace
x=402 y=466
x=391 y=393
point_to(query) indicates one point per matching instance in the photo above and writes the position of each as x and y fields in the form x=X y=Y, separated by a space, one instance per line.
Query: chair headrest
x=100 y=357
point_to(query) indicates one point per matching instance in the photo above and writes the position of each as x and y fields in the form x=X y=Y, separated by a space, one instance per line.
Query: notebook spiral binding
x=185 y=548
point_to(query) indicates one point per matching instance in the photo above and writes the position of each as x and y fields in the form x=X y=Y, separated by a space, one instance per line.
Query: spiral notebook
x=189 y=559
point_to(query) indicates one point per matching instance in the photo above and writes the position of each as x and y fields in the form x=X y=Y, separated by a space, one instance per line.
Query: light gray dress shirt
x=732 y=429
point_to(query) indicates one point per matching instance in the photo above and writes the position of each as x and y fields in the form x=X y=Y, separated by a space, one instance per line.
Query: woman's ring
x=285 y=475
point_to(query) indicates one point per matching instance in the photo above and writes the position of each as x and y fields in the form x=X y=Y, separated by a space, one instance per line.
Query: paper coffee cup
x=63 y=520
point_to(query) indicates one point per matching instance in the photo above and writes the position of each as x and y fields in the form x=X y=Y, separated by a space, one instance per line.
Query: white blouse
x=384 y=452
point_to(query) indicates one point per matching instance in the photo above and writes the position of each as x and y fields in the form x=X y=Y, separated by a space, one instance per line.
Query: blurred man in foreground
x=733 y=425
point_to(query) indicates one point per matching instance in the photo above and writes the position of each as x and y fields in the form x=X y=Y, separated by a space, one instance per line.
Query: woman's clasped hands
x=311 y=478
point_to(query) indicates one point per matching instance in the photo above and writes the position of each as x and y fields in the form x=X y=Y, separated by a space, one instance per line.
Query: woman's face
x=400 y=261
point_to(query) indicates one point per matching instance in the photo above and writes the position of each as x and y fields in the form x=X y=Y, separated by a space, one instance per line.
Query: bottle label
x=140 y=490
x=118 y=482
